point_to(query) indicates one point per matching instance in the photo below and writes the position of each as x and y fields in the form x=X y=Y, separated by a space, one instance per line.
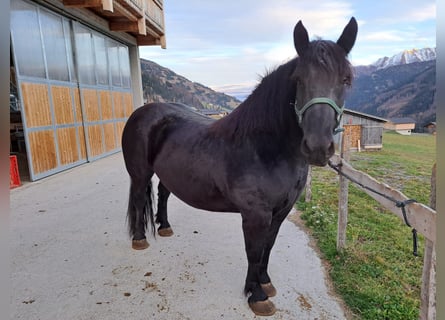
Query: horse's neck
x=267 y=110
x=273 y=98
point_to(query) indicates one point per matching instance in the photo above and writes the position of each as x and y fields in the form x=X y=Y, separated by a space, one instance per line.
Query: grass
x=377 y=275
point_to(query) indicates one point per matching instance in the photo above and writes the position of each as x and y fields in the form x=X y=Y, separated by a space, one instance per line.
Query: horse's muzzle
x=317 y=154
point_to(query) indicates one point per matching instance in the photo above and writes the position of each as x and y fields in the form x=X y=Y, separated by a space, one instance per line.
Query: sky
x=228 y=45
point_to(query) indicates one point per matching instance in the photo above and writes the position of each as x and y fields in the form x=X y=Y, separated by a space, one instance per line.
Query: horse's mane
x=265 y=109
x=269 y=108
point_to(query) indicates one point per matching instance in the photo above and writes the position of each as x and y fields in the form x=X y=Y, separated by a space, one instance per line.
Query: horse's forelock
x=327 y=55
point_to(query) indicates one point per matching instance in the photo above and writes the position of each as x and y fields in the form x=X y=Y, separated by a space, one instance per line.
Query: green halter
x=338 y=110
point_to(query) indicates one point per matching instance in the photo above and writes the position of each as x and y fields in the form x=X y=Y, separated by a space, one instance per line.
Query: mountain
x=395 y=89
x=406 y=57
x=403 y=85
x=163 y=85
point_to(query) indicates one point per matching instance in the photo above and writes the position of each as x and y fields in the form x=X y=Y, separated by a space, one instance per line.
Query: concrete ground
x=71 y=258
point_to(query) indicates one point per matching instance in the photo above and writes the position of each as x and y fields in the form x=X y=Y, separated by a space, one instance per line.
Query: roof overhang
x=142 y=19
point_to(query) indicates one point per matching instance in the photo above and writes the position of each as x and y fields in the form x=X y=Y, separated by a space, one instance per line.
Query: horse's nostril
x=305 y=147
x=331 y=147
x=320 y=151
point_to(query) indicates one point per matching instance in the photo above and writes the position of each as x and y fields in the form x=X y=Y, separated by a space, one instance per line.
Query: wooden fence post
x=428 y=290
x=308 y=191
x=421 y=217
x=343 y=196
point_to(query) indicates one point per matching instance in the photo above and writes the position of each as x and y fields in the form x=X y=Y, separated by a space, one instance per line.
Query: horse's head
x=322 y=76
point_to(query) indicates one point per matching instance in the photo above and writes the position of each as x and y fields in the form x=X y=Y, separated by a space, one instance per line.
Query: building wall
x=400 y=126
x=431 y=129
x=76 y=88
x=405 y=126
x=362 y=132
x=404 y=132
x=353 y=135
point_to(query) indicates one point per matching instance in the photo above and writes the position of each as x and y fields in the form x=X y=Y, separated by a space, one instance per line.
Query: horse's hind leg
x=164 y=229
x=140 y=210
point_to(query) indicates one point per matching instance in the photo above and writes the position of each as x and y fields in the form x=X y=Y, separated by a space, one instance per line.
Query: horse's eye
x=347 y=81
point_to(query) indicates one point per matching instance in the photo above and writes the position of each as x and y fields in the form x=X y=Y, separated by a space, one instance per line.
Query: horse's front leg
x=265 y=281
x=256 y=225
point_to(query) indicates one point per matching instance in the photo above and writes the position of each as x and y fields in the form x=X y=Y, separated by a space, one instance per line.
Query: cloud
x=239 y=91
x=280 y=53
x=218 y=43
x=390 y=35
x=250 y=21
x=425 y=13
x=396 y=12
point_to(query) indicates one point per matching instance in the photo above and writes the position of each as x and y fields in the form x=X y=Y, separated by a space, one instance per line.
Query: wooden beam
x=82 y=3
x=142 y=29
x=150 y=31
x=148 y=40
x=154 y=26
x=159 y=3
x=163 y=42
x=130 y=7
x=163 y=39
x=128 y=26
x=107 y=5
x=125 y=12
x=151 y=40
x=420 y=216
x=124 y=26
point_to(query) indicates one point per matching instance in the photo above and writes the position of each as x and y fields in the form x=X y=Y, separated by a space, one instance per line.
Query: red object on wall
x=13 y=173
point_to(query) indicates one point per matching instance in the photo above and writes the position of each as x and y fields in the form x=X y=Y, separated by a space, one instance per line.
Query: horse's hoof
x=139 y=244
x=263 y=308
x=166 y=232
x=269 y=289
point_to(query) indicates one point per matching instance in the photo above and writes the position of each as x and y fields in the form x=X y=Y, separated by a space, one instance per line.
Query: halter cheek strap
x=338 y=110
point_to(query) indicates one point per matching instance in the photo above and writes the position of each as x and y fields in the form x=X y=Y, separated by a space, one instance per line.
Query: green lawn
x=377 y=275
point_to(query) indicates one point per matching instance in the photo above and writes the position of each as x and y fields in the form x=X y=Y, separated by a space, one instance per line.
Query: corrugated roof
x=402 y=120
x=365 y=115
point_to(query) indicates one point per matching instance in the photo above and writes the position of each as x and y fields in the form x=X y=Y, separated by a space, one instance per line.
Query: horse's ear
x=348 y=36
x=301 y=38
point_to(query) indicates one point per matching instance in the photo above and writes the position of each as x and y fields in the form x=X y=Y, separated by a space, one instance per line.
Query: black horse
x=253 y=161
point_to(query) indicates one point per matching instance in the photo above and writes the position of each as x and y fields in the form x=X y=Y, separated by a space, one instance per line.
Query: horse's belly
x=201 y=196
x=194 y=188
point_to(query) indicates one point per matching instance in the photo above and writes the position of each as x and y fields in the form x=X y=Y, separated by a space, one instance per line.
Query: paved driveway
x=72 y=258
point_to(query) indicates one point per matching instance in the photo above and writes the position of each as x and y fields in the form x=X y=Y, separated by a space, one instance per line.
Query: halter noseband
x=338 y=110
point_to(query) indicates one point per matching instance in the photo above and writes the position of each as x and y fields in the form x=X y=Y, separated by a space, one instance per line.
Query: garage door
x=74 y=88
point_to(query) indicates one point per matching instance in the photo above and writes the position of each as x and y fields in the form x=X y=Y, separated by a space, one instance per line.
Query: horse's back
x=156 y=111
x=149 y=126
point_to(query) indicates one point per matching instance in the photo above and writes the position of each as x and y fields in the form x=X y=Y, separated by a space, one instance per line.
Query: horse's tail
x=140 y=209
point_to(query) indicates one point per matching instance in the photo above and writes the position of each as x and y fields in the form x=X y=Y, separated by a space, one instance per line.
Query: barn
x=75 y=77
x=401 y=125
x=364 y=131
x=430 y=127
